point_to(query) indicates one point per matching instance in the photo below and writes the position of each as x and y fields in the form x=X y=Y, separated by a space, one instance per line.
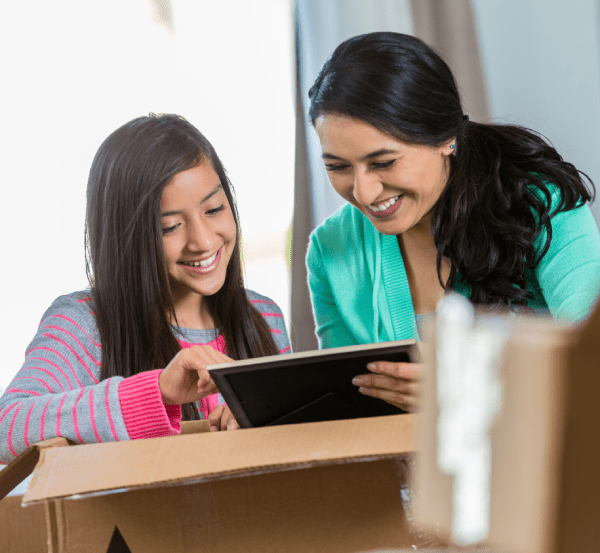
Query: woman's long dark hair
x=496 y=203
x=125 y=261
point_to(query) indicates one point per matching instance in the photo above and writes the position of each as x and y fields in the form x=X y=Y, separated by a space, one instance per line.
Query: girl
x=127 y=358
x=436 y=203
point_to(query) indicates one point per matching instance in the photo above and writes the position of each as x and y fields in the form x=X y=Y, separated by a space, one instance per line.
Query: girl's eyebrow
x=376 y=153
x=207 y=197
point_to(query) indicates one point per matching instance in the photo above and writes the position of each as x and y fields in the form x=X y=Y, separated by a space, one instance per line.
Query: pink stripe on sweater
x=75 y=425
x=26 y=431
x=38 y=379
x=263 y=301
x=218 y=344
x=10 y=431
x=84 y=299
x=74 y=338
x=80 y=385
x=74 y=353
x=272 y=315
x=51 y=375
x=60 y=406
x=108 y=413
x=285 y=350
x=78 y=326
x=275 y=331
x=98 y=440
x=7 y=410
x=20 y=391
x=43 y=420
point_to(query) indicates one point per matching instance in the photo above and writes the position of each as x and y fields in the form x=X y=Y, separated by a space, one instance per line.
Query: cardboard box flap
x=110 y=467
x=21 y=467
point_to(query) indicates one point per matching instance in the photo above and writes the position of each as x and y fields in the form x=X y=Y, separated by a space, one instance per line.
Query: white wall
x=73 y=71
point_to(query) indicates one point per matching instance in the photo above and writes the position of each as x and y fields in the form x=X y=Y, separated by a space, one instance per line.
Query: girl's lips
x=389 y=211
x=204 y=270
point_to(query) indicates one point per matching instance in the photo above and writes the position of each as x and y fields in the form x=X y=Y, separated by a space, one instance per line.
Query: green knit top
x=360 y=292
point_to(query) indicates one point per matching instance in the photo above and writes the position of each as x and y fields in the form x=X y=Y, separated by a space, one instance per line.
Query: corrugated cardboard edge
x=84 y=471
x=21 y=467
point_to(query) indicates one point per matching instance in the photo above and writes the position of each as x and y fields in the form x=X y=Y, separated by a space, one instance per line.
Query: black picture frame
x=308 y=386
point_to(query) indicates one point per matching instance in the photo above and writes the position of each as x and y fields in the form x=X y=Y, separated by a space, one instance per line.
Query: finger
x=214 y=419
x=408 y=371
x=225 y=418
x=210 y=356
x=206 y=385
x=385 y=382
x=232 y=424
x=405 y=402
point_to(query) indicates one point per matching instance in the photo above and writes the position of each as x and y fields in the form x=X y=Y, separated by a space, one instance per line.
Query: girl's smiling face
x=199 y=235
x=394 y=183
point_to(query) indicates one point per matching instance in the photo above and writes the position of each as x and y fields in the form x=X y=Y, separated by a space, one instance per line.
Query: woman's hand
x=186 y=379
x=221 y=419
x=396 y=383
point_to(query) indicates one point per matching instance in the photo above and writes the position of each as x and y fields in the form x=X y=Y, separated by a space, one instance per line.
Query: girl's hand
x=186 y=379
x=222 y=419
x=396 y=383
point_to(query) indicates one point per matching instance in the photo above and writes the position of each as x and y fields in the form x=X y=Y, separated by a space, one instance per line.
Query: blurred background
x=73 y=71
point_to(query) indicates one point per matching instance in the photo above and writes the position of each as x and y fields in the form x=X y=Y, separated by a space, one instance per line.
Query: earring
x=452 y=146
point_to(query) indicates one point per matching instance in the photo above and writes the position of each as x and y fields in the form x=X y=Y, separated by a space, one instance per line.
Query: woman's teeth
x=203 y=263
x=384 y=206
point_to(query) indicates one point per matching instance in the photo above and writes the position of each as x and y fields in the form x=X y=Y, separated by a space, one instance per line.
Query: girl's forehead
x=193 y=186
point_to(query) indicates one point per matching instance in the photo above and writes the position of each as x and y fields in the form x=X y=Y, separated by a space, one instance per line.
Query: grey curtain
x=449 y=26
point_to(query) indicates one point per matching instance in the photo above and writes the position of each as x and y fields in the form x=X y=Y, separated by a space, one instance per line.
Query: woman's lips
x=386 y=213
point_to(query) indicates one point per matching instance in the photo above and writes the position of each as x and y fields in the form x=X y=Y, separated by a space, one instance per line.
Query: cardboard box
x=544 y=479
x=330 y=486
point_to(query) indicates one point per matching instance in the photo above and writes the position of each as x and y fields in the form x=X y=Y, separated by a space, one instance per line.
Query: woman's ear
x=449 y=147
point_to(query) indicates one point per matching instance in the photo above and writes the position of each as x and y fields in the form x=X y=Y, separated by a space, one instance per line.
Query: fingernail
x=213 y=429
x=357 y=381
x=365 y=391
x=372 y=366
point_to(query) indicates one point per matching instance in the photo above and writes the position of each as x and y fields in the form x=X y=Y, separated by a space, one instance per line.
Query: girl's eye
x=168 y=230
x=383 y=164
x=216 y=210
x=331 y=167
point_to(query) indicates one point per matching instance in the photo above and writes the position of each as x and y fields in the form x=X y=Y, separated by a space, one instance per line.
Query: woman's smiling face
x=394 y=183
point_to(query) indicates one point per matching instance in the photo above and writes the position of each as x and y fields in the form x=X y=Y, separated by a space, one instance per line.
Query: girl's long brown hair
x=125 y=261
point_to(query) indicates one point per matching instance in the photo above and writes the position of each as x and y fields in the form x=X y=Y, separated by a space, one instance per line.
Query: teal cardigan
x=360 y=292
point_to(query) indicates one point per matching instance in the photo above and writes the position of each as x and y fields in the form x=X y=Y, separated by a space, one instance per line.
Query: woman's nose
x=367 y=187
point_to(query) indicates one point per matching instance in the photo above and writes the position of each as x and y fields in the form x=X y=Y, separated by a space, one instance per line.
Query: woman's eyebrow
x=207 y=197
x=376 y=153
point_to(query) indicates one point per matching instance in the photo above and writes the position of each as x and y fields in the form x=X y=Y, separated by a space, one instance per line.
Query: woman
x=436 y=203
x=123 y=359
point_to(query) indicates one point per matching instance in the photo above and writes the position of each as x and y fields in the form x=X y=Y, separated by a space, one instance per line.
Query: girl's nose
x=200 y=238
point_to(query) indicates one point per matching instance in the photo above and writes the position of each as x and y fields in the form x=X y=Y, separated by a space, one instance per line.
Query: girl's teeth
x=204 y=263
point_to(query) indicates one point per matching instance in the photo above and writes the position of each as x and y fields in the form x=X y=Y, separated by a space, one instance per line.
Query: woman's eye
x=216 y=210
x=330 y=167
x=167 y=230
x=383 y=164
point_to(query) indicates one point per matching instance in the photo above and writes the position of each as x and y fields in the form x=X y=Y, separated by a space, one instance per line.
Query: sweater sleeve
x=332 y=331
x=273 y=317
x=569 y=273
x=58 y=392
